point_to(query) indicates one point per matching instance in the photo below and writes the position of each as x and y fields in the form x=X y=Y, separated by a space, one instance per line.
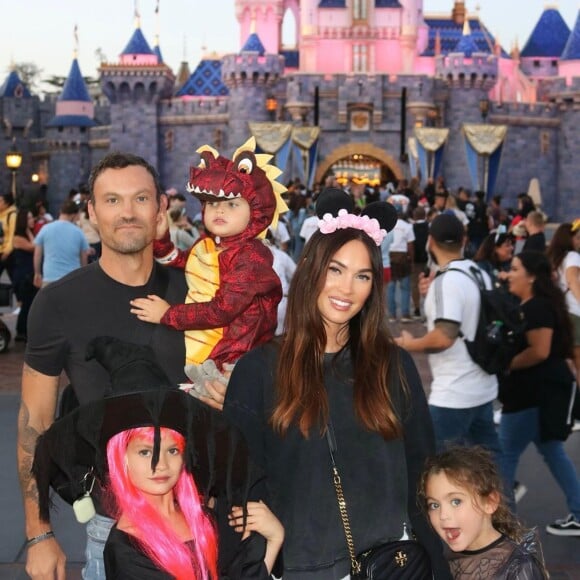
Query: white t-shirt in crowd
x=280 y=233
x=458 y=383
x=571 y=260
x=309 y=226
x=403 y=234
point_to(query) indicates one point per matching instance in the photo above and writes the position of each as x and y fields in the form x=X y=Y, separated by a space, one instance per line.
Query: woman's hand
x=149 y=309
x=216 y=392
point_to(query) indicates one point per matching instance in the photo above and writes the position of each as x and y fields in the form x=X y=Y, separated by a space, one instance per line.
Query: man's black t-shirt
x=87 y=303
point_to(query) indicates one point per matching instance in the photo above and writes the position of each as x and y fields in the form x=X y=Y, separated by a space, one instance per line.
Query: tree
x=29 y=74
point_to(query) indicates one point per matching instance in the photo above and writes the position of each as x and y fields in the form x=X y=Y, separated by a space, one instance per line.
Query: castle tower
x=411 y=25
x=469 y=76
x=134 y=87
x=251 y=77
x=540 y=55
x=68 y=137
x=264 y=18
x=569 y=65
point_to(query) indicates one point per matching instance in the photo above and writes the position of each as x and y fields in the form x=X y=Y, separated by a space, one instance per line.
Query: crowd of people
x=322 y=393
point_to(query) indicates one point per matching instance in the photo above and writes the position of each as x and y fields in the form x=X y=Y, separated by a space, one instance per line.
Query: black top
x=124 y=560
x=379 y=478
x=535 y=243
x=520 y=389
x=87 y=303
x=421 y=231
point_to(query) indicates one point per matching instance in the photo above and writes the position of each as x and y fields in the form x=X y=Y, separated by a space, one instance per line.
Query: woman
x=23 y=274
x=563 y=255
x=536 y=394
x=336 y=369
x=495 y=255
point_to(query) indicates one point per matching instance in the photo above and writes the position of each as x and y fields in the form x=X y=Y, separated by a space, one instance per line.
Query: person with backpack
x=462 y=393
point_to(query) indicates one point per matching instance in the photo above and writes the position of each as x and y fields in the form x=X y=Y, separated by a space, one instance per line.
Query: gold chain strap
x=355 y=566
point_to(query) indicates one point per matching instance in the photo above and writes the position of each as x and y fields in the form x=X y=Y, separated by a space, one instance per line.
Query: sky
x=43 y=32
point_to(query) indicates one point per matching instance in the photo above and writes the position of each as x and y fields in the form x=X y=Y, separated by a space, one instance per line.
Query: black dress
x=124 y=560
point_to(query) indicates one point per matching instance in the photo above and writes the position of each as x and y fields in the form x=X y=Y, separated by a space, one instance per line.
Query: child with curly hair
x=460 y=490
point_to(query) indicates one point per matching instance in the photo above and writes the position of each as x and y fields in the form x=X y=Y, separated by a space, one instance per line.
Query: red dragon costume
x=233 y=292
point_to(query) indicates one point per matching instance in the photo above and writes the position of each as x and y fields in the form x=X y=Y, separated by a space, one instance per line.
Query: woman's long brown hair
x=301 y=395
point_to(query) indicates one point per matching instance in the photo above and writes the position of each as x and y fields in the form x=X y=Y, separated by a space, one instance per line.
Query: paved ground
x=541 y=505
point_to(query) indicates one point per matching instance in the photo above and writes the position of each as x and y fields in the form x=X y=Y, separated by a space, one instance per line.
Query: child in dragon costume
x=233 y=292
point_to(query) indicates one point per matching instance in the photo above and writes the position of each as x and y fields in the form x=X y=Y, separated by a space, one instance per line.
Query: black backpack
x=500 y=333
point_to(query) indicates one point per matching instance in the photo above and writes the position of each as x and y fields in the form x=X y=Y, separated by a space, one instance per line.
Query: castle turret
x=540 y=55
x=251 y=77
x=264 y=18
x=469 y=75
x=569 y=66
x=134 y=88
x=68 y=137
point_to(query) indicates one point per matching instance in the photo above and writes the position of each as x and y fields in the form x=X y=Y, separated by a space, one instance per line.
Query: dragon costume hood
x=248 y=175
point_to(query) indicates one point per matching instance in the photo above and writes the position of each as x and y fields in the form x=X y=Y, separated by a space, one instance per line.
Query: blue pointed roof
x=205 y=81
x=75 y=88
x=572 y=49
x=157 y=52
x=332 y=4
x=451 y=33
x=14 y=87
x=137 y=44
x=467 y=46
x=549 y=36
x=254 y=44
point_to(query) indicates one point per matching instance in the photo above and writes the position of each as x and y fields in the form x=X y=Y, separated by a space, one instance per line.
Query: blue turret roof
x=332 y=4
x=572 y=49
x=14 y=87
x=451 y=33
x=157 y=52
x=205 y=81
x=467 y=46
x=138 y=44
x=71 y=121
x=254 y=44
x=549 y=36
x=75 y=88
x=387 y=4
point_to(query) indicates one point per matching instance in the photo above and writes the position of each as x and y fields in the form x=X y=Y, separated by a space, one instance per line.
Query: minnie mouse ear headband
x=140 y=396
x=576 y=225
x=334 y=208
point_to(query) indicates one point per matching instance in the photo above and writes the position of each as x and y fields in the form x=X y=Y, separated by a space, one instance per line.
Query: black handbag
x=403 y=559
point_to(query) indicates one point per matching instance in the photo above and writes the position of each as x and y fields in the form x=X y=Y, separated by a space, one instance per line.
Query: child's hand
x=150 y=309
x=260 y=519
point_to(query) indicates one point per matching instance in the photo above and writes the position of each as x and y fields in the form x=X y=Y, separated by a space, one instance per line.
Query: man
x=60 y=247
x=127 y=206
x=535 y=225
x=461 y=392
x=7 y=224
x=440 y=200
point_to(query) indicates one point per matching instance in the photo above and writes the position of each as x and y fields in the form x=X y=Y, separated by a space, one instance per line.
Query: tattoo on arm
x=449 y=329
x=27 y=436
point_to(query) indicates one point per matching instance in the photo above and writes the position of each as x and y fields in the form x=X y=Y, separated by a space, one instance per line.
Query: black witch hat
x=73 y=449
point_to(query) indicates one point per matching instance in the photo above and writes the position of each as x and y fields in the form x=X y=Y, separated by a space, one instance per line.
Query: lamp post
x=13 y=162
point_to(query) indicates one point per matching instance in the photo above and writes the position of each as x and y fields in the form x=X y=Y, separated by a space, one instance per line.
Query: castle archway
x=366 y=156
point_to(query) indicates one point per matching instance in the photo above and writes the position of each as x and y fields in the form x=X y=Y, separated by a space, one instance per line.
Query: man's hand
x=150 y=309
x=46 y=561
x=424 y=282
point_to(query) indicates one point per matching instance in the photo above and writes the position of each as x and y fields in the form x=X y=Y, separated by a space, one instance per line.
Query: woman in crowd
x=337 y=380
x=495 y=255
x=23 y=273
x=565 y=259
x=537 y=392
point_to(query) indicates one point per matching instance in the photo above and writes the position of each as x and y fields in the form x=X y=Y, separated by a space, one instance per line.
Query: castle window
x=536 y=64
x=359 y=10
x=554 y=63
x=359 y=58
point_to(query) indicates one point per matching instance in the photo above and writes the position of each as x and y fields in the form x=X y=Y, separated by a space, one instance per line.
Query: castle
x=374 y=90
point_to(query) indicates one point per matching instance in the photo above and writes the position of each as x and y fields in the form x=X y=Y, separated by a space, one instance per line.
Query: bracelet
x=37 y=539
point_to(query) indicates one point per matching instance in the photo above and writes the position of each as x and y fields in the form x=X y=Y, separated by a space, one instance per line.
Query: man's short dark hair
x=8 y=198
x=118 y=160
x=69 y=207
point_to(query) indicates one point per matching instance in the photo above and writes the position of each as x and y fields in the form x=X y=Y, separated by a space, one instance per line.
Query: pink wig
x=155 y=536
